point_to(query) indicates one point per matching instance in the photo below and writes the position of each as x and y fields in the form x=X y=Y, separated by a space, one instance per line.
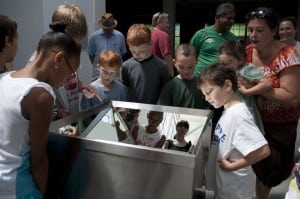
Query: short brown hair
x=110 y=59
x=138 y=34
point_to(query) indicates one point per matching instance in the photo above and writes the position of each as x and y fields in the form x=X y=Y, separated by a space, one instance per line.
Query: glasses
x=69 y=66
x=111 y=74
x=258 y=14
x=72 y=84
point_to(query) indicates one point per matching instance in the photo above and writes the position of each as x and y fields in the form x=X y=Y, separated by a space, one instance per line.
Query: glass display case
x=103 y=159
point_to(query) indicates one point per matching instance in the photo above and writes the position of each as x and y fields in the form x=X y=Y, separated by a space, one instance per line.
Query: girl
x=26 y=108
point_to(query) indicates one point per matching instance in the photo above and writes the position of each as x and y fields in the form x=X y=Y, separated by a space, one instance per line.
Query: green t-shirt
x=207 y=43
x=182 y=93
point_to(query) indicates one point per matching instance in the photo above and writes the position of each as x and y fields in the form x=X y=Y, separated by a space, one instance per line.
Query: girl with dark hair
x=26 y=108
x=179 y=144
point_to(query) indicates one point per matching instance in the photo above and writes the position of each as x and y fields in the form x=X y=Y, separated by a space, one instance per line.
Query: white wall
x=33 y=18
x=29 y=16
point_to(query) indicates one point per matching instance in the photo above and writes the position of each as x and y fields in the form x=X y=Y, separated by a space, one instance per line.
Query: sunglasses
x=258 y=14
x=157 y=17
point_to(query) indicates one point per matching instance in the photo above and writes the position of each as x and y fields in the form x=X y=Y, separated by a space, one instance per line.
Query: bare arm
x=169 y=60
x=161 y=142
x=261 y=87
x=37 y=107
x=288 y=92
x=251 y=158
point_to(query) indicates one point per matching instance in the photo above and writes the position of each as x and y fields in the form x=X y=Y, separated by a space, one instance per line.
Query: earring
x=56 y=67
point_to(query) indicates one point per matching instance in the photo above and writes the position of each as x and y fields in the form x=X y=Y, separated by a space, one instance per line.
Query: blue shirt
x=99 y=41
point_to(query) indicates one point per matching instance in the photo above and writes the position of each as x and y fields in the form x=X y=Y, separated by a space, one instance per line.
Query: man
x=208 y=40
x=106 y=38
x=160 y=40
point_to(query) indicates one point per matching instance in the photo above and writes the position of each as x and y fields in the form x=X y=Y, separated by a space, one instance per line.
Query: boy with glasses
x=106 y=85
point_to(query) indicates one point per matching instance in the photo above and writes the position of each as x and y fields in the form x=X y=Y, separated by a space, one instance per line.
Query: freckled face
x=140 y=52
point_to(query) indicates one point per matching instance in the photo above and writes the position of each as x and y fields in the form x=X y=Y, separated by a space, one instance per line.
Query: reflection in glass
x=120 y=123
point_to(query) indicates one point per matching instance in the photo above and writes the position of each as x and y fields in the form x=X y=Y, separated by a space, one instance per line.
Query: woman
x=279 y=107
x=287 y=31
x=26 y=107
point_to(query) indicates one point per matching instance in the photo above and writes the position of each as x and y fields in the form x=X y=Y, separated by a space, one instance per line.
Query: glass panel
x=124 y=121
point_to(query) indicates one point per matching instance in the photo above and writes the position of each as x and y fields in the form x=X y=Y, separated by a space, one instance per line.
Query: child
x=180 y=144
x=251 y=80
x=182 y=90
x=26 y=108
x=150 y=135
x=8 y=42
x=240 y=143
x=233 y=54
x=143 y=74
x=68 y=95
x=106 y=85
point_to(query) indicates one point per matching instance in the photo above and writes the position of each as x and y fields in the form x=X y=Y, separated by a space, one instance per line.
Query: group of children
x=143 y=78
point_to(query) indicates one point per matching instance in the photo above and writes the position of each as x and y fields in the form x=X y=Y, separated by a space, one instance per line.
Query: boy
x=107 y=87
x=182 y=90
x=150 y=135
x=143 y=74
x=240 y=143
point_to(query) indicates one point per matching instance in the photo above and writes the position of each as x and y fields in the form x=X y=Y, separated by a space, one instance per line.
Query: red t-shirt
x=271 y=110
x=160 y=43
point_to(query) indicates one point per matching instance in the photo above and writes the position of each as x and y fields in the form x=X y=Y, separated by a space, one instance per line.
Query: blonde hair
x=138 y=34
x=110 y=59
x=73 y=16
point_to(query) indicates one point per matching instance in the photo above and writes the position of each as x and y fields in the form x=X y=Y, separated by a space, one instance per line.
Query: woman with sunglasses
x=279 y=107
x=26 y=109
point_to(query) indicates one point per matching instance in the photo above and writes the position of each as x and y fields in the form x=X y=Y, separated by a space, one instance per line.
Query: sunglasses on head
x=258 y=14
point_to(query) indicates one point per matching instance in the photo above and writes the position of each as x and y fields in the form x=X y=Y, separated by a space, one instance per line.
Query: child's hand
x=245 y=83
x=90 y=92
x=242 y=89
x=225 y=165
x=70 y=131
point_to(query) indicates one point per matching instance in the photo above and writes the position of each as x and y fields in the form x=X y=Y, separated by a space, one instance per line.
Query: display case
x=103 y=160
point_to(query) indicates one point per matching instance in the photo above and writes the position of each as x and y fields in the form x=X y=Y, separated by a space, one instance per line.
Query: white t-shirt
x=147 y=139
x=236 y=136
x=15 y=176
